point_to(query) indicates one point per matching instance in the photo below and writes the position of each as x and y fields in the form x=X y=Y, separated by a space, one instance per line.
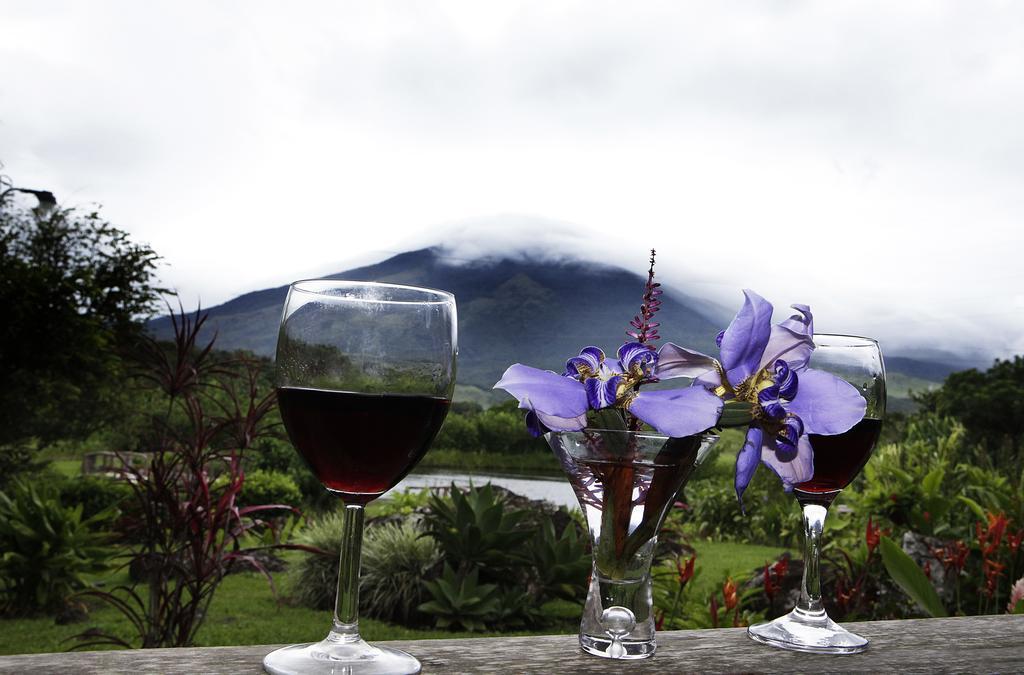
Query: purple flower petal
x=788 y=437
x=827 y=404
x=711 y=380
x=601 y=393
x=793 y=468
x=544 y=391
x=800 y=323
x=678 y=412
x=593 y=354
x=768 y=399
x=746 y=338
x=792 y=340
x=787 y=380
x=635 y=352
x=533 y=425
x=747 y=460
x=590 y=359
x=555 y=423
x=676 y=361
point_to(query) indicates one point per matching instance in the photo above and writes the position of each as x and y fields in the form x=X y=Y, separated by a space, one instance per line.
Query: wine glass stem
x=810 y=589
x=346 y=606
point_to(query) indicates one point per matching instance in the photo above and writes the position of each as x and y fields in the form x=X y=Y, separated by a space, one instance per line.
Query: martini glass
x=365 y=374
x=837 y=461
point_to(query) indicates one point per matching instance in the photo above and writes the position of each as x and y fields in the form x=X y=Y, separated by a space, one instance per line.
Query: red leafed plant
x=185 y=525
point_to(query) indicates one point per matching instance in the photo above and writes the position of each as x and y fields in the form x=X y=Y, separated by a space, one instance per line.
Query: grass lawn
x=719 y=559
x=244 y=611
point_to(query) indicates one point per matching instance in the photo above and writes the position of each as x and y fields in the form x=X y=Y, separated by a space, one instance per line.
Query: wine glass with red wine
x=837 y=461
x=365 y=374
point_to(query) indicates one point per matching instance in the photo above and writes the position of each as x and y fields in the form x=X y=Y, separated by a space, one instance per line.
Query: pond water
x=554 y=489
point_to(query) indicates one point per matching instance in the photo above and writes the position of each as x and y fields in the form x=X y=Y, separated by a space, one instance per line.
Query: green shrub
x=396 y=560
x=561 y=564
x=313 y=581
x=501 y=429
x=95 y=494
x=476 y=529
x=46 y=549
x=278 y=455
x=459 y=433
x=772 y=515
x=269 y=487
x=460 y=600
x=403 y=503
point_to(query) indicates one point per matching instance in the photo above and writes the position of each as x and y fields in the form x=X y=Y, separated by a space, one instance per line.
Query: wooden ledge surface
x=982 y=644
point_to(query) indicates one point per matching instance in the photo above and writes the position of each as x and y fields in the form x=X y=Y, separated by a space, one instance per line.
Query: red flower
x=1014 y=541
x=729 y=593
x=685 y=571
x=996 y=527
x=993 y=570
x=872 y=536
x=770 y=587
x=952 y=556
x=773 y=575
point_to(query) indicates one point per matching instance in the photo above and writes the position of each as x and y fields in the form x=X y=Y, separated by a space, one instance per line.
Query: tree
x=990 y=405
x=74 y=293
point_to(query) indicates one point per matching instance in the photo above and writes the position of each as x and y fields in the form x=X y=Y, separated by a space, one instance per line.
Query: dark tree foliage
x=990 y=405
x=74 y=291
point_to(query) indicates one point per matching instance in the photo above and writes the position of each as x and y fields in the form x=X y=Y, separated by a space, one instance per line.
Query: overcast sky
x=865 y=158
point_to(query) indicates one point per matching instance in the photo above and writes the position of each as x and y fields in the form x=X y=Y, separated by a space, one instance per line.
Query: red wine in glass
x=360 y=445
x=365 y=374
x=837 y=461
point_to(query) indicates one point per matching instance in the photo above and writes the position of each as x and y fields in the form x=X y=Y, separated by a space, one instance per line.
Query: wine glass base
x=617 y=649
x=807 y=632
x=330 y=657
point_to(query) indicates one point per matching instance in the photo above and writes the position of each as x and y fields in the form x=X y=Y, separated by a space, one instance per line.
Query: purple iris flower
x=592 y=382
x=766 y=366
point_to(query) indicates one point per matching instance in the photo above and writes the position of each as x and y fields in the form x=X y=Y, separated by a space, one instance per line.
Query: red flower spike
x=646 y=330
x=685 y=572
x=1014 y=541
x=872 y=536
x=780 y=567
x=769 y=584
x=729 y=594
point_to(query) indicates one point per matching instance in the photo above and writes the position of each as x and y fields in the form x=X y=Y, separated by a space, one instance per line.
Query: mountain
x=538 y=313
x=533 y=312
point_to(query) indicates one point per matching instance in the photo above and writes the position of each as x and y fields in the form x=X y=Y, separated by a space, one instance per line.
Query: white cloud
x=864 y=157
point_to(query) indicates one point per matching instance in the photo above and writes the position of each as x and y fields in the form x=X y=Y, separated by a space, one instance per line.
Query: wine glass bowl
x=365 y=373
x=838 y=459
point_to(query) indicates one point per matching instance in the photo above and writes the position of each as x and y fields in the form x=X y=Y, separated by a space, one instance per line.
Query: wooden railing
x=981 y=644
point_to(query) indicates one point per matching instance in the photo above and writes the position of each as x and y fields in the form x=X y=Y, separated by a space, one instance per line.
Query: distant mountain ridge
x=534 y=312
x=510 y=311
